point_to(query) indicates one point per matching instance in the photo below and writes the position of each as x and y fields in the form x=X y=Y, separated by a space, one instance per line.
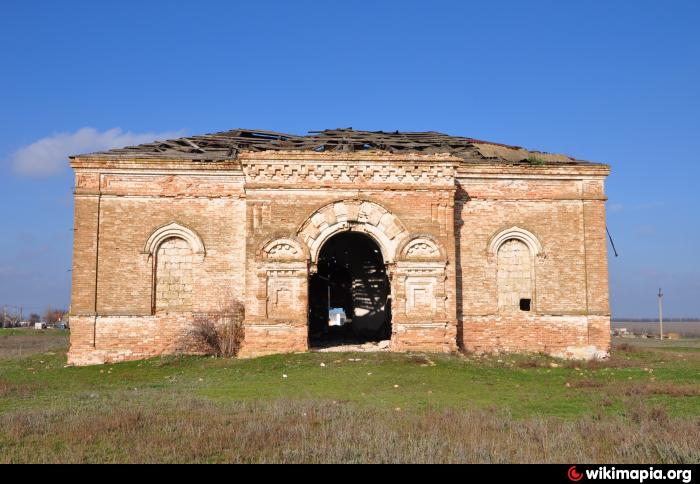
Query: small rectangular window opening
x=525 y=304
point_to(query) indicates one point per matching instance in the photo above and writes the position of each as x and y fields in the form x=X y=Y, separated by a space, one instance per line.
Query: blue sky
x=610 y=81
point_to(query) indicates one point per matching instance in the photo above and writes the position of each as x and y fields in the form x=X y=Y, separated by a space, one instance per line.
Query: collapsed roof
x=226 y=145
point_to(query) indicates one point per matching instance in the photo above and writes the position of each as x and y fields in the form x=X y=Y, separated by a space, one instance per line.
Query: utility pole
x=4 y=315
x=661 y=314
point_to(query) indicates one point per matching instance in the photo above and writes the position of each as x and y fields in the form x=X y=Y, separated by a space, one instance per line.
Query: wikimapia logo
x=574 y=475
x=639 y=475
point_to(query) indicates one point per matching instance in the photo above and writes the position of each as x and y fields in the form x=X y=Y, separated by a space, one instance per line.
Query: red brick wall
x=567 y=217
x=236 y=208
x=125 y=276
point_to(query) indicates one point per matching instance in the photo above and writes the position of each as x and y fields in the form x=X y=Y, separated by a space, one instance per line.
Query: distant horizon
x=652 y=320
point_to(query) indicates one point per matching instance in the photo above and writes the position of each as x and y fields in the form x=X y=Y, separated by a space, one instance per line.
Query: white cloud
x=616 y=207
x=49 y=155
x=619 y=207
x=646 y=230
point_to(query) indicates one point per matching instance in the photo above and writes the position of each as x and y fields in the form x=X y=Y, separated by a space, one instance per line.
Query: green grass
x=44 y=333
x=527 y=386
x=21 y=342
x=643 y=380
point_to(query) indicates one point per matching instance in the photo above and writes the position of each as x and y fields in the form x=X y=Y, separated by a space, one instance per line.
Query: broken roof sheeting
x=227 y=144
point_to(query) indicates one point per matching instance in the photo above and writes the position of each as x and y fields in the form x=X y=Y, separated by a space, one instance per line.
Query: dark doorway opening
x=349 y=296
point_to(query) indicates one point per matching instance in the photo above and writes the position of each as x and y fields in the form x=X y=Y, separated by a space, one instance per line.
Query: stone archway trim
x=353 y=215
x=518 y=233
x=170 y=230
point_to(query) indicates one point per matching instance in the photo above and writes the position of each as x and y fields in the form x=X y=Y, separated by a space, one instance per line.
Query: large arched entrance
x=349 y=295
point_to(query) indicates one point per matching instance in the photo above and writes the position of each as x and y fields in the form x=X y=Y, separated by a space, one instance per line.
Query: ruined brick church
x=423 y=241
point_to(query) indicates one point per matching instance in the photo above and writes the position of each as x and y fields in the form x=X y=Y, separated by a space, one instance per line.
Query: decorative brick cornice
x=321 y=173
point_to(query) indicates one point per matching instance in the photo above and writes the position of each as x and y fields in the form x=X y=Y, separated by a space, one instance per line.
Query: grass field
x=25 y=342
x=643 y=405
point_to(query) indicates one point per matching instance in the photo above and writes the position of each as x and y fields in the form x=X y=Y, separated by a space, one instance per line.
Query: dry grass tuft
x=626 y=348
x=286 y=431
x=220 y=333
x=661 y=388
x=614 y=361
x=5 y=387
x=640 y=413
x=541 y=361
x=420 y=359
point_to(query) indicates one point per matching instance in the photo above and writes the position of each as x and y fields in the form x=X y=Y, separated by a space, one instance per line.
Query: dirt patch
x=340 y=347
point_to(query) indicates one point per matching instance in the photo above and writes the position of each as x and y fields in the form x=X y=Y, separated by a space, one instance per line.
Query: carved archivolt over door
x=353 y=215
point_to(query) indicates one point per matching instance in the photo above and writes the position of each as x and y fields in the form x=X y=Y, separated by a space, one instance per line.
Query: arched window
x=173 y=275
x=174 y=249
x=516 y=249
x=515 y=276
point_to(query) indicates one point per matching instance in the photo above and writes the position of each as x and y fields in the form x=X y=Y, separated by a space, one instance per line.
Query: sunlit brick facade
x=488 y=249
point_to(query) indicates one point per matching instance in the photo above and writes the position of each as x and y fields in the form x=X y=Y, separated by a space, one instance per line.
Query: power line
x=611 y=241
